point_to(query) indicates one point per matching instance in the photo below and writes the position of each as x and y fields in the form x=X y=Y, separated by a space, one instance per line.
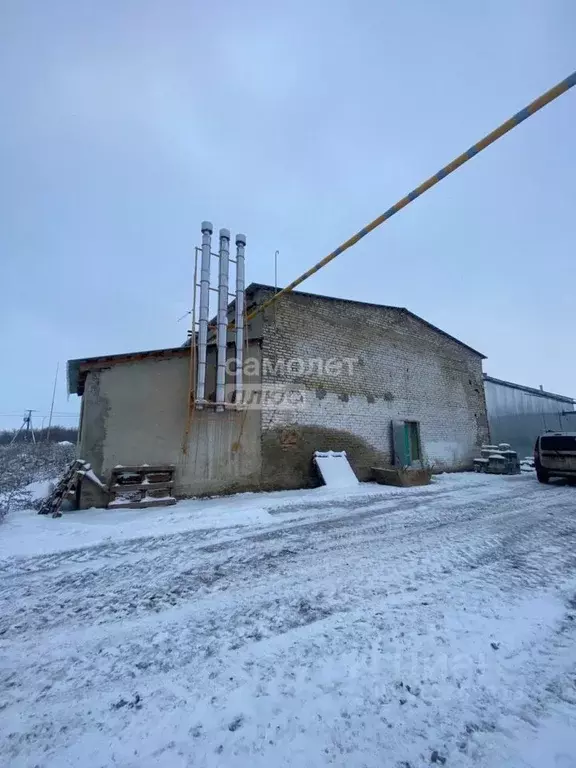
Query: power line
x=56 y=413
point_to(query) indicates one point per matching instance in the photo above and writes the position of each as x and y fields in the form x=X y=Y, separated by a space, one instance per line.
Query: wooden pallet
x=141 y=486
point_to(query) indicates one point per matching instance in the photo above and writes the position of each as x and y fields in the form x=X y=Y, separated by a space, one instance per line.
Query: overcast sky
x=125 y=124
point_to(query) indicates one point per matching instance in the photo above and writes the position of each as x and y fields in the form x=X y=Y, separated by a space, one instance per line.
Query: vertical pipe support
x=239 y=320
x=203 y=313
x=222 y=326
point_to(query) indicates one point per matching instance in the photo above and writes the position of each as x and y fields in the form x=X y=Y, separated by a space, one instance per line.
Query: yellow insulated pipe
x=518 y=118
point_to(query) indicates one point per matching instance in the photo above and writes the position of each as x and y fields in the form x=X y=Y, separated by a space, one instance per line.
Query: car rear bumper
x=560 y=472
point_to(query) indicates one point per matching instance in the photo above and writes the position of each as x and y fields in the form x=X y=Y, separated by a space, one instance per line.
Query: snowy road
x=385 y=628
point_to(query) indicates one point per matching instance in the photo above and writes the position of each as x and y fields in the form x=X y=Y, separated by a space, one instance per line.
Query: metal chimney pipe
x=240 y=246
x=222 y=328
x=203 y=313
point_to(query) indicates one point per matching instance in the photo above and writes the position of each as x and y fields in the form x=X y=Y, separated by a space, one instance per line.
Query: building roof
x=78 y=369
x=254 y=287
x=530 y=390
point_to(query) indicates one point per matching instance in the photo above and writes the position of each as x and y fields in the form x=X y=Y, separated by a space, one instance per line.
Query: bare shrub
x=22 y=464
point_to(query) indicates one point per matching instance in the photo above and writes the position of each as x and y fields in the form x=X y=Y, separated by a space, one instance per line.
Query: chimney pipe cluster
x=223 y=256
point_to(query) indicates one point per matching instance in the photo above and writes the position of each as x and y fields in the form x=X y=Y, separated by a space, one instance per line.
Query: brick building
x=388 y=365
x=321 y=373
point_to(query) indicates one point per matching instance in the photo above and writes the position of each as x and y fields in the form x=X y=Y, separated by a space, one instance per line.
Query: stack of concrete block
x=497 y=460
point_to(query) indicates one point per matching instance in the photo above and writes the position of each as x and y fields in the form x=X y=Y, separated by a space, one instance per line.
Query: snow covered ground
x=365 y=627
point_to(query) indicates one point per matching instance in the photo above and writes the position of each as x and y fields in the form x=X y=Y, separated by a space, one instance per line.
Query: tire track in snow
x=102 y=595
x=354 y=582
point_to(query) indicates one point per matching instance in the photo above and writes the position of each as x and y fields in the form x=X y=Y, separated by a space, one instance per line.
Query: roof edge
x=79 y=366
x=253 y=287
x=530 y=390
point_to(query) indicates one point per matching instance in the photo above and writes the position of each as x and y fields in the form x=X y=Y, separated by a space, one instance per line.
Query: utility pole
x=52 y=404
x=27 y=426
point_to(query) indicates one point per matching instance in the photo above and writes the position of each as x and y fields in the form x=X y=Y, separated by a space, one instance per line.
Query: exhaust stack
x=203 y=313
x=222 y=325
x=198 y=395
x=239 y=320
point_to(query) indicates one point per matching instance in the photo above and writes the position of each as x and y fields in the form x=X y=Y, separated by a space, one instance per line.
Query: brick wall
x=403 y=369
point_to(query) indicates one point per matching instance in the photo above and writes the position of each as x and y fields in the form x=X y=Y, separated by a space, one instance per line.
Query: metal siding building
x=518 y=414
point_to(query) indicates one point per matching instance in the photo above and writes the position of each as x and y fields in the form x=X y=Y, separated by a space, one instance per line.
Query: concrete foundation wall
x=136 y=412
x=402 y=369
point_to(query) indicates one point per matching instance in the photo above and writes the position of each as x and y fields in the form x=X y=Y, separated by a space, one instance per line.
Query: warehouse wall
x=518 y=417
x=402 y=369
x=136 y=412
